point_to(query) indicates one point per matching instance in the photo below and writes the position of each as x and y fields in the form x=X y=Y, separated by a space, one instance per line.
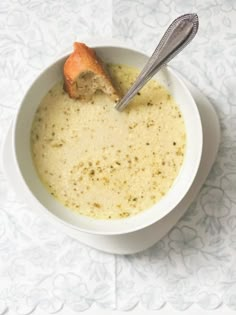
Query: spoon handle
x=178 y=35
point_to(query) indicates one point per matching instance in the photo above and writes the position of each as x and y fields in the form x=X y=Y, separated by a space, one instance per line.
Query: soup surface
x=106 y=164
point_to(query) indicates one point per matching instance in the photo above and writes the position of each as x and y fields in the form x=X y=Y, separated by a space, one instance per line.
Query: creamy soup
x=102 y=163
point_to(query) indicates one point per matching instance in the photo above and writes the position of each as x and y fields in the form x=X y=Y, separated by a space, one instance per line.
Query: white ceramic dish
x=131 y=243
x=37 y=195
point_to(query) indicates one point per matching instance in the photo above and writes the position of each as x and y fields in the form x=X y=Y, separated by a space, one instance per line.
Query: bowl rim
x=34 y=201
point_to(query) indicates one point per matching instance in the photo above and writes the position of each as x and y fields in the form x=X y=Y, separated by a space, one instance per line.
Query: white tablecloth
x=42 y=270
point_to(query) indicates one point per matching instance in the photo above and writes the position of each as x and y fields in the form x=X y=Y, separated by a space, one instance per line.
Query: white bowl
x=38 y=197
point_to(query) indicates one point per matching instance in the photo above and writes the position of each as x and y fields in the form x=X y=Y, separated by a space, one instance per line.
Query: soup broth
x=103 y=163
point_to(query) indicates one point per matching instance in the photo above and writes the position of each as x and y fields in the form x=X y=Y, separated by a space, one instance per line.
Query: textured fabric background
x=196 y=262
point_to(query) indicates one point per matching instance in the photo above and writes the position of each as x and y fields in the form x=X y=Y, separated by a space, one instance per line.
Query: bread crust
x=83 y=60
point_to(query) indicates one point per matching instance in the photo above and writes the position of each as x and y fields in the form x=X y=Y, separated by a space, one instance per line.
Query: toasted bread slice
x=84 y=74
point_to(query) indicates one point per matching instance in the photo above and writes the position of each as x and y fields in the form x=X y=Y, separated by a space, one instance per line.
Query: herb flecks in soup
x=106 y=164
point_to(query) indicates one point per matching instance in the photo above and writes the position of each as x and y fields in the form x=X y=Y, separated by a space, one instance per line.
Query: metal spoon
x=178 y=35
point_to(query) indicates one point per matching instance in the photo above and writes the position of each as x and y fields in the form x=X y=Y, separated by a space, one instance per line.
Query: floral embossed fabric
x=40 y=268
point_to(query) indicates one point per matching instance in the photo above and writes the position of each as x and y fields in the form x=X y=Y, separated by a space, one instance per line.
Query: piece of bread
x=84 y=74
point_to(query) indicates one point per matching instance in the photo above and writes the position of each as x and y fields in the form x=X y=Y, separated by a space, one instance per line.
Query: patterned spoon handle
x=178 y=35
